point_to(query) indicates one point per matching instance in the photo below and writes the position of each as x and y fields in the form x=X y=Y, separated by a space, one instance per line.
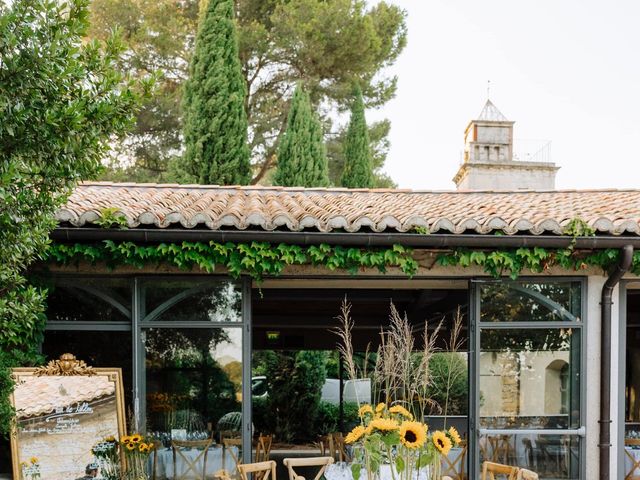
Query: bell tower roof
x=490 y=113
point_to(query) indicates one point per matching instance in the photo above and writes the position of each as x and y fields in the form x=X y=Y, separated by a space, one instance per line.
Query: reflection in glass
x=89 y=300
x=193 y=381
x=97 y=349
x=551 y=456
x=189 y=301
x=530 y=378
x=530 y=302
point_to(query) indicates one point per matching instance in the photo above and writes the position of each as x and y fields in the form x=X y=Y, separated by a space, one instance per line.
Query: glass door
x=528 y=385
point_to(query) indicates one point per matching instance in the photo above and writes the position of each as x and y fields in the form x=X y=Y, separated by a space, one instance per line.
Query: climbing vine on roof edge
x=261 y=259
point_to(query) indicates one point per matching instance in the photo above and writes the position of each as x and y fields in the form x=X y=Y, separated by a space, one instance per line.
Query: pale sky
x=567 y=71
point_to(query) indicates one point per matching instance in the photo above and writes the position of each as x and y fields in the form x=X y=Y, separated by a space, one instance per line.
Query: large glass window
x=193 y=381
x=89 y=300
x=529 y=364
x=188 y=300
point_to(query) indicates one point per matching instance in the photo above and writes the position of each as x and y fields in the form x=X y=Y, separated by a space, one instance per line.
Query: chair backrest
x=633 y=442
x=232 y=447
x=491 y=469
x=524 y=474
x=292 y=463
x=333 y=445
x=266 y=469
x=263 y=448
x=453 y=464
x=190 y=465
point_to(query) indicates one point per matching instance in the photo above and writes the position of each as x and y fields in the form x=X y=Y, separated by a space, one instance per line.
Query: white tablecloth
x=628 y=464
x=164 y=466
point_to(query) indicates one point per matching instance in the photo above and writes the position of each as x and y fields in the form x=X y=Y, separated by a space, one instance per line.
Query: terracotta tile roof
x=612 y=212
x=42 y=395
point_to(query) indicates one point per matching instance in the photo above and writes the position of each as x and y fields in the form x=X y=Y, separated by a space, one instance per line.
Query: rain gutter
x=360 y=239
x=626 y=258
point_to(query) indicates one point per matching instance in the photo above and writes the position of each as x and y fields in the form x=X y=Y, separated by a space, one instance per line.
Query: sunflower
x=364 y=409
x=441 y=441
x=136 y=438
x=355 y=434
x=130 y=446
x=126 y=439
x=413 y=434
x=380 y=407
x=454 y=436
x=110 y=438
x=33 y=460
x=143 y=448
x=383 y=424
x=399 y=409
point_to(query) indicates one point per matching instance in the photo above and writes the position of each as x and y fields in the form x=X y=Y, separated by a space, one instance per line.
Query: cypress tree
x=215 y=121
x=358 y=165
x=302 y=158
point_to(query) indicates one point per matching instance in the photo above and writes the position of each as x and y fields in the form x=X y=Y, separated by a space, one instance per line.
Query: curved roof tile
x=613 y=212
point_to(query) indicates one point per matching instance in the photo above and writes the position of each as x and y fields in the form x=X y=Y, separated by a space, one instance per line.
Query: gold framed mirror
x=62 y=411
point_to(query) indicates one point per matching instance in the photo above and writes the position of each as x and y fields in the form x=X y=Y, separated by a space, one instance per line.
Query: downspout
x=605 y=360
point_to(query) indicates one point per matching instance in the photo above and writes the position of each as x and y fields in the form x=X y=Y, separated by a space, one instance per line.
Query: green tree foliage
x=379 y=143
x=61 y=102
x=449 y=383
x=302 y=158
x=295 y=382
x=215 y=123
x=358 y=166
x=327 y=44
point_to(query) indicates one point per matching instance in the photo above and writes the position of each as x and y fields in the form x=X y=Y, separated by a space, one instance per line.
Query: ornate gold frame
x=67 y=365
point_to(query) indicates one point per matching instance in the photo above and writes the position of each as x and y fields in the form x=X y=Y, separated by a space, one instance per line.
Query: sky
x=566 y=71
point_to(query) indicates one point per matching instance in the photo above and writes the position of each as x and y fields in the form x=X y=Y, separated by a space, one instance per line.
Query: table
x=629 y=470
x=164 y=466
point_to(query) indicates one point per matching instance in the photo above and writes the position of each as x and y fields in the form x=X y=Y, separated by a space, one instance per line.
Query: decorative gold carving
x=67 y=365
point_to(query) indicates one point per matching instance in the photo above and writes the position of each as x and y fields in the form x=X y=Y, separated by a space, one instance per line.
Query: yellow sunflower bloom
x=355 y=434
x=454 y=436
x=364 y=409
x=110 y=438
x=441 y=441
x=399 y=409
x=33 y=460
x=136 y=438
x=143 y=448
x=125 y=439
x=384 y=424
x=413 y=434
x=131 y=446
x=380 y=407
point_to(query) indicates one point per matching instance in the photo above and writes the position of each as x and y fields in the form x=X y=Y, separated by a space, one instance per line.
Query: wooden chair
x=524 y=474
x=491 y=469
x=501 y=448
x=635 y=464
x=446 y=477
x=193 y=465
x=455 y=467
x=231 y=445
x=322 y=462
x=263 y=448
x=266 y=469
x=333 y=445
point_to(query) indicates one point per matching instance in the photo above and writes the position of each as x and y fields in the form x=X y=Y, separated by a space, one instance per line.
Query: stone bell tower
x=489 y=163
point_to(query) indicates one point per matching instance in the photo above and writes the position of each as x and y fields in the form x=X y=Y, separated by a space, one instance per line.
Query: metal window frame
x=475 y=328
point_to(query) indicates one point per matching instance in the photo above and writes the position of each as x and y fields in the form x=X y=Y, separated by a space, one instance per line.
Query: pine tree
x=358 y=166
x=302 y=158
x=215 y=121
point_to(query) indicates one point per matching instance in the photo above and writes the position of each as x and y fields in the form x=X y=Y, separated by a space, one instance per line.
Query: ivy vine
x=256 y=259
x=260 y=259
